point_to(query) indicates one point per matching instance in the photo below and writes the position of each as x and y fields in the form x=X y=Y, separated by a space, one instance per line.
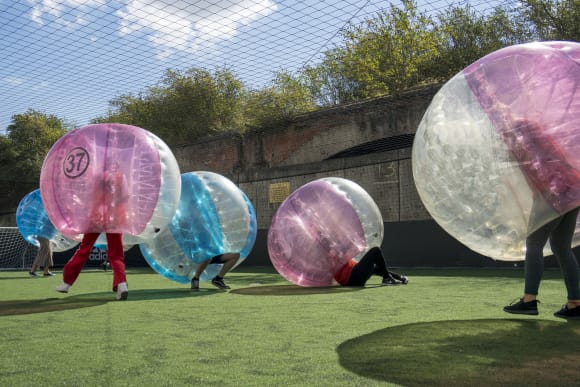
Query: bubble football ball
x=213 y=217
x=33 y=223
x=320 y=227
x=111 y=178
x=497 y=153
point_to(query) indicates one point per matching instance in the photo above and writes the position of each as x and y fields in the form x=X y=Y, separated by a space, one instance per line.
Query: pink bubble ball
x=111 y=178
x=320 y=227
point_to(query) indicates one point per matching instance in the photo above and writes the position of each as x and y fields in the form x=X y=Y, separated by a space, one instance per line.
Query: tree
x=466 y=37
x=552 y=19
x=29 y=138
x=287 y=97
x=22 y=151
x=384 y=55
x=185 y=106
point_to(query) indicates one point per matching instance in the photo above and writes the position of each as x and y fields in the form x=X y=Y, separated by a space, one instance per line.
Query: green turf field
x=446 y=327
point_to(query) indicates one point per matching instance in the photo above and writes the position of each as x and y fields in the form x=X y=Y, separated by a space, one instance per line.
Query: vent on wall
x=382 y=145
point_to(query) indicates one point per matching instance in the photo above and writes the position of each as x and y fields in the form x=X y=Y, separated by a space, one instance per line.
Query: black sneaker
x=219 y=283
x=32 y=274
x=48 y=274
x=195 y=284
x=400 y=277
x=521 y=307
x=568 y=314
x=390 y=281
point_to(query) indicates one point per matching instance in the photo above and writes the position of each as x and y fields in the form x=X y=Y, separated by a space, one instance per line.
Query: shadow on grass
x=39 y=278
x=18 y=307
x=256 y=278
x=292 y=290
x=474 y=352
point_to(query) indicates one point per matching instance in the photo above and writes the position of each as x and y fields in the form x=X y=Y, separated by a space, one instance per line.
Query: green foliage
x=401 y=47
x=466 y=36
x=185 y=106
x=28 y=140
x=287 y=97
x=552 y=19
x=22 y=151
x=384 y=55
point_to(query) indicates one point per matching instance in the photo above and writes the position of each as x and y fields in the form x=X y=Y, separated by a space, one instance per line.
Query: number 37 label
x=76 y=162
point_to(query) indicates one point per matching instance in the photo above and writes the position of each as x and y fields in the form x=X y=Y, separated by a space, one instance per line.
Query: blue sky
x=70 y=57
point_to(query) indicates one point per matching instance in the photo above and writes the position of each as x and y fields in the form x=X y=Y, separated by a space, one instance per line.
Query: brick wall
x=298 y=153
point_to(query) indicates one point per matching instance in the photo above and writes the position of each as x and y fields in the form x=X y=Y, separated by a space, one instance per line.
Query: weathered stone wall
x=299 y=153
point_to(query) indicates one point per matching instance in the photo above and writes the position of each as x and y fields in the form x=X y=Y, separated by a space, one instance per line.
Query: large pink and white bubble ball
x=497 y=153
x=320 y=227
x=111 y=178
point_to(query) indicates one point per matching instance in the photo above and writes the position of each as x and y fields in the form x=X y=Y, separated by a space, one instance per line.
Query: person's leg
x=533 y=270
x=229 y=260
x=365 y=268
x=47 y=252
x=201 y=268
x=74 y=266
x=198 y=272
x=39 y=258
x=381 y=266
x=561 y=244
x=534 y=259
x=116 y=258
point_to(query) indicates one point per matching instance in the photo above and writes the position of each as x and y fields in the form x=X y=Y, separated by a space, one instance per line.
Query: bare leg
x=200 y=268
x=229 y=260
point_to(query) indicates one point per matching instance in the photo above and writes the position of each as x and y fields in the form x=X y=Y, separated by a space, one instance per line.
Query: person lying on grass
x=355 y=273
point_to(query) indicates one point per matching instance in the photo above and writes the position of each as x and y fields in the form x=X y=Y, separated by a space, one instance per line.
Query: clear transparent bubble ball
x=320 y=227
x=33 y=223
x=111 y=178
x=213 y=217
x=497 y=153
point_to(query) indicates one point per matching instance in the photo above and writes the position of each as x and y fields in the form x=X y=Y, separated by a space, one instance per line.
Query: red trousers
x=73 y=267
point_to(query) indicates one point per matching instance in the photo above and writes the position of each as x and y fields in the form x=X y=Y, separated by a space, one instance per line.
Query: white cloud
x=183 y=25
x=171 y=26
x=73 y=9
x=13 y=81
x=41 y=85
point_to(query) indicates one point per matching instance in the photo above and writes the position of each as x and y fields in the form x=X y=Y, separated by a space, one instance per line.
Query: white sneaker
x=122 y=291
x=63 y=288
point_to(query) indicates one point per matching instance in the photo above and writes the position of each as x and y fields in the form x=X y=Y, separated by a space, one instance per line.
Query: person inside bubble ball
x=43 y=258
x=355 y=273
x=228 y=260
x=560 y=232
x=114 y=196
x=557 y=183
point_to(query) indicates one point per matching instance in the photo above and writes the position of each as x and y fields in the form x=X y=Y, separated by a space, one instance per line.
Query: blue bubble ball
x=213 y=217
x=33 y=223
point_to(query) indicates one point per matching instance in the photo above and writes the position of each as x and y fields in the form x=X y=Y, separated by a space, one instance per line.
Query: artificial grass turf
x=446 y=327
